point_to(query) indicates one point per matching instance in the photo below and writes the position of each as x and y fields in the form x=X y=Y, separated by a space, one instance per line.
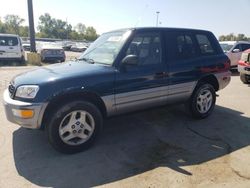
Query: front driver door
x=142 y=85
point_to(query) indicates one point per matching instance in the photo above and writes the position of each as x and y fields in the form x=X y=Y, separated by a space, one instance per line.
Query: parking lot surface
x=161 y=147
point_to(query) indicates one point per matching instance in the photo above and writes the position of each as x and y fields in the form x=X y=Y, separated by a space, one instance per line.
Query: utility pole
x=157 y=18
x=31 y=26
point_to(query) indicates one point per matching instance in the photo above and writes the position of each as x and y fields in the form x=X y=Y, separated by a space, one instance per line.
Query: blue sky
x=218 y=16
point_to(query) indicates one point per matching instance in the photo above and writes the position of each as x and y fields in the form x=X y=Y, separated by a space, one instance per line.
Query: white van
x=11 y=47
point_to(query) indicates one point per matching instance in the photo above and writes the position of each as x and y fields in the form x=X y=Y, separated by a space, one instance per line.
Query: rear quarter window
x=205 y=44
x=8 y=41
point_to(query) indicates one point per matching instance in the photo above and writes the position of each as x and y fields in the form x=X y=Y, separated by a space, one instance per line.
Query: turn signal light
x=25 y=114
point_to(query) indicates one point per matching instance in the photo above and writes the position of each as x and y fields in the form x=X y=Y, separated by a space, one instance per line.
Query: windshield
x=106 y=48
x=226 y=47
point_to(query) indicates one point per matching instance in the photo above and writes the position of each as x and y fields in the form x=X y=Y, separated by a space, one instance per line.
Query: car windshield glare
x=106 y=48
x=226 y=47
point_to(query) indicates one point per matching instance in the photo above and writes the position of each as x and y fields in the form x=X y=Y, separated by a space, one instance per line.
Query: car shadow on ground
x=132 y=144
x=8 y=63
x=234 y=72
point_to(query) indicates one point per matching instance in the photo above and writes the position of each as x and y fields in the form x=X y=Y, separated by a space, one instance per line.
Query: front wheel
x=74 y=127
x=202 y=101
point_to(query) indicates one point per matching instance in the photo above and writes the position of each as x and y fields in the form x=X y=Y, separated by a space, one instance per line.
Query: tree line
x=233 y=37
x=48 y=27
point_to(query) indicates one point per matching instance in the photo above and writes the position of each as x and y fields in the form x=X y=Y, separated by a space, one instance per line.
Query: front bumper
x=32 y=123
x=244 y=69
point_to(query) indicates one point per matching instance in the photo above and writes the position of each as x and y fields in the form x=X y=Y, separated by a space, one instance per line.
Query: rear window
x=204 y=44
x=8 y=41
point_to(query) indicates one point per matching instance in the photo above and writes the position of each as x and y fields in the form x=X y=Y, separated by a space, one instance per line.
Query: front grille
x=12 y=90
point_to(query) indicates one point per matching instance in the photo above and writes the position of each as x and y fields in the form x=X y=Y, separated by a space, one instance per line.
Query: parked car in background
x=244 y=67
x=234 y=49
x=122 y=71
x=51 y=52
x=78 y=47
x=26 y=46
x=67 y=45
x=11 y=48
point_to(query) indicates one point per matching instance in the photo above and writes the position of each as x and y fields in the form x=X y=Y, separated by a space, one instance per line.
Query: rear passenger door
x=140 y=86
x=183 y=62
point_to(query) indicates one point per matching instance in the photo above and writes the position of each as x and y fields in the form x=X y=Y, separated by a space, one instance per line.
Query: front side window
x=245 y=47
x=8 y=41
x=238 y=47
x=204 y=44
x=106 y=48
x=147 y=48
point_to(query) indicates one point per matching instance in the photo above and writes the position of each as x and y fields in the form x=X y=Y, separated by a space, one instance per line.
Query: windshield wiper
x=91 y=61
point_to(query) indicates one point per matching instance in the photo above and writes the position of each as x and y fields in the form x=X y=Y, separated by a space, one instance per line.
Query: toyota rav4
x=122 y=71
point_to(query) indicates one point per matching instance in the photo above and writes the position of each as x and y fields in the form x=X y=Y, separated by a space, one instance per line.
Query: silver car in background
x=51 y=52
x=234 y=49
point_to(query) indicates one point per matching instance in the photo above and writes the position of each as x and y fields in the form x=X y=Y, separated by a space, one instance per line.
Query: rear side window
x=205 y=45
x=183 y=47
x=8 y=41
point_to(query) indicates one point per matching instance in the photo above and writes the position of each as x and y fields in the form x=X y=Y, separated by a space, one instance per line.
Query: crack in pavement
x=240 y=175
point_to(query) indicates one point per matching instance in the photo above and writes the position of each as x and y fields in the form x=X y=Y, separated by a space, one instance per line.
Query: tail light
x=227 y=64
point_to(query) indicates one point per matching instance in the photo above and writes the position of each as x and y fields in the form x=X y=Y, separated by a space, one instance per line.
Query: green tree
x=13 y=23
x=53 y=28
x=2 y=27
x=90 y=34
x=80 y=28
x=74 y=35
x=232 y=37
x=24 y=31
x=45 y=26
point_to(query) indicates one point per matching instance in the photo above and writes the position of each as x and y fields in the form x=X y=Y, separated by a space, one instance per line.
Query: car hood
x=60 y=71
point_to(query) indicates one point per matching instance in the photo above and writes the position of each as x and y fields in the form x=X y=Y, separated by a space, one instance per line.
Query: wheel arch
x=68 y=97
x=210 y=79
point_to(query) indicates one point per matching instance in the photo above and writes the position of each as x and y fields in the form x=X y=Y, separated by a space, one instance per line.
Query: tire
x=22 y=60
x=201 y=110
x=244 y=79
x=67 y=121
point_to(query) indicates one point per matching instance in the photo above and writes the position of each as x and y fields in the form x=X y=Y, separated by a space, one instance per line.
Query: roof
x=160 y=28
x=8 y=35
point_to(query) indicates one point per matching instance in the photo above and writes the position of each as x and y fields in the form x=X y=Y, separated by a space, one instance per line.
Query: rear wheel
x=244 y=78
x=74 y=127
x=202 y=101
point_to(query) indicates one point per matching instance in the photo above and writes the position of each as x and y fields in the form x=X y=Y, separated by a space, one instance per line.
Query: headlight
x=27 y=91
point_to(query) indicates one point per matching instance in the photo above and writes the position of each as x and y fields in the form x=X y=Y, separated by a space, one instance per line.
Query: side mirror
x=130 y=60
x=236 y=50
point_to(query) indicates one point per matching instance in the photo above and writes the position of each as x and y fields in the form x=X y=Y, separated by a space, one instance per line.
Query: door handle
x=161 y=75
x=11 y=48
